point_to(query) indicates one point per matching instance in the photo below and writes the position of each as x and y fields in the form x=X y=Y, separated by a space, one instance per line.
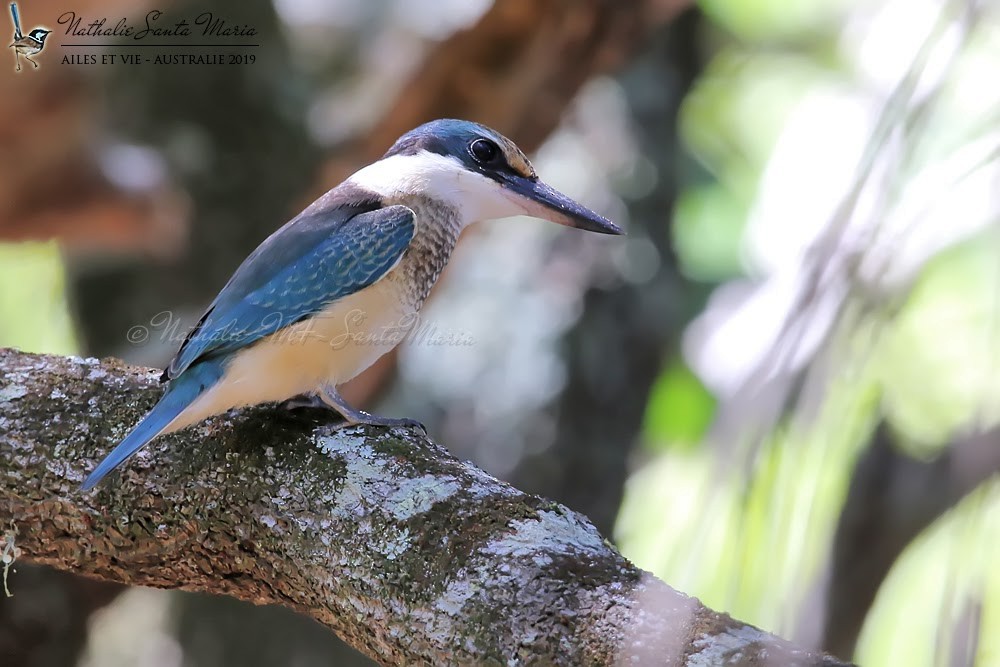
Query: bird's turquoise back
x=308 y=263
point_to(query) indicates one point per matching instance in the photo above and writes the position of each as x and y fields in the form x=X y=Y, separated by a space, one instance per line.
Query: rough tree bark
x=408 y=554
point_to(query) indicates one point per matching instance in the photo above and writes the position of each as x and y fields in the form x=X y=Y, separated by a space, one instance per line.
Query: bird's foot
x=332 y=398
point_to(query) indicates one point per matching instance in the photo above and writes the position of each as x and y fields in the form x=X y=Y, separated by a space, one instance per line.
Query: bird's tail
x=17 y=21
x=182 y=391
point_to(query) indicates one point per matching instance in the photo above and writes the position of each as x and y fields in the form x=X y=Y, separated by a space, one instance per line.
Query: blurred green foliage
x=938 y=364
x=771 y=19
x=953 y=562
x=748 y=529
x=33 y=312
x=680 y=409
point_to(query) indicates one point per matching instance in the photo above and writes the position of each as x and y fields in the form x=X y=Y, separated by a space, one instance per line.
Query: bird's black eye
x=484 y=151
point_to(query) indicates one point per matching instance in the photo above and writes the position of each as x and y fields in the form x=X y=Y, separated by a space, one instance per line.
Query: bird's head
x=476 y=171
x=39 y=33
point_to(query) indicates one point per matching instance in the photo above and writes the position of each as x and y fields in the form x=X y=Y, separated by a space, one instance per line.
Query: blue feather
x=312 y=261
x=179 y=395
x=17 y=21
x=320 y=256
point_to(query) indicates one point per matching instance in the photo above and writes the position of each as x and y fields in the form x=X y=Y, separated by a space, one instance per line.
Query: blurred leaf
x=951 y=563
x=747 y=536
x=679 y=411
x=708 y=231
x=939 y=363
x=738 y=110
x=731 y=123
x=762 y=19
x=33 y=312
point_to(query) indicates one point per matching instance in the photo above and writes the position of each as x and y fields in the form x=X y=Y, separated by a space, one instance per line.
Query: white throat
x=442 y=178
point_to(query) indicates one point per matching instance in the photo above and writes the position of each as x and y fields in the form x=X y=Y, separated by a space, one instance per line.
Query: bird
x=26 y=46
x=308 y=309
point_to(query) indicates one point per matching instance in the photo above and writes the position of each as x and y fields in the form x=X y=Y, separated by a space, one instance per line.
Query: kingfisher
x=309 y=309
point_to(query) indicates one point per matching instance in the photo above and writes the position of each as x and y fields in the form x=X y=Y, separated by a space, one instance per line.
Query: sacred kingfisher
x=308 y=309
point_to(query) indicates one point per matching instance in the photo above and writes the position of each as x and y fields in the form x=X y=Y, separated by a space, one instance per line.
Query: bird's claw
x=385 y=422
x=412 y=423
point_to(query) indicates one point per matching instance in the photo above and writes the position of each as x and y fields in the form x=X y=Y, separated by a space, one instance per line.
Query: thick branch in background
x=517 y=70
x=408 y=554
x=893 y=497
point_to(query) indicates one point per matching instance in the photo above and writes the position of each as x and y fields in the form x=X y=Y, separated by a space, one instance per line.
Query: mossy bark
x=410 y=555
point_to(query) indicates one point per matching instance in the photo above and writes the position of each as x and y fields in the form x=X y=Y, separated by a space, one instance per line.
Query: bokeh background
x=780 y=393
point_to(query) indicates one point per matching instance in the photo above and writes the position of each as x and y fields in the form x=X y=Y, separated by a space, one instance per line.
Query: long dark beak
x=548 y=204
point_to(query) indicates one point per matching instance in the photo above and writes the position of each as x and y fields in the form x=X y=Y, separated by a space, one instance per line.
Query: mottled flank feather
x=429 y=251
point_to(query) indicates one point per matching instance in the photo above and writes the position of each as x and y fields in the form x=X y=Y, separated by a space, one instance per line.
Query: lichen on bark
x=408 y=554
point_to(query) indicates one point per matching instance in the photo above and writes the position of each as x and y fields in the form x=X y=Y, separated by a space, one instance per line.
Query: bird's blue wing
x=315 y=259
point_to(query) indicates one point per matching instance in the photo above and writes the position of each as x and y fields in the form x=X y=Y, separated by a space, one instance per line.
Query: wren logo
x=26 y=45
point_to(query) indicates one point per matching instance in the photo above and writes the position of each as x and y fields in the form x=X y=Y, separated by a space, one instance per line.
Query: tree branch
x=408 y=554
